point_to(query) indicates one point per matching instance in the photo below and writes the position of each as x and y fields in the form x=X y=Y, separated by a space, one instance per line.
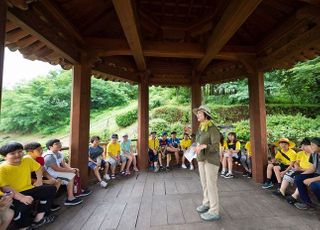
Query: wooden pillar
x=80 y=117
x=3 y=19
x=258 y=130
x=195 y=100
x=143 y=121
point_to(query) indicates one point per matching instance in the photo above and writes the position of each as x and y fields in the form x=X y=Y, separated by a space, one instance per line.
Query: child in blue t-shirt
x=173 y=147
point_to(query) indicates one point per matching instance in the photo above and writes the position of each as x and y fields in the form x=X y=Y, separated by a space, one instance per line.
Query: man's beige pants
x=209 y=177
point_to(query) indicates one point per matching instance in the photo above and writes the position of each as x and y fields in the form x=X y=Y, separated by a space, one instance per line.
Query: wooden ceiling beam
x=116 y=73
x=62 y=20
x=233 y=17
x=127 y=18
x=114 y=47
x=30 y=23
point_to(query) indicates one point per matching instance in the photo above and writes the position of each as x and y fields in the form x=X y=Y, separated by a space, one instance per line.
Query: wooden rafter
x=234 y=16
x=126 y=14
x=62 y=20
x=30 y=23
x=116 y=73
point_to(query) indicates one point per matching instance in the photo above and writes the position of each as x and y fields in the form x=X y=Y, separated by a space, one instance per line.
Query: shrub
x=171 y=114
x=293 y=127
x=127 y=118
x=159 y=125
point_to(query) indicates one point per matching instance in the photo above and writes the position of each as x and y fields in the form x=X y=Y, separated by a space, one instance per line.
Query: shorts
x=65 y=177
x=282 y=166
x=112 y=162
x=234 y=155
x=290 y=175
x=152 y=157
x=93 y=165
x=123 y=158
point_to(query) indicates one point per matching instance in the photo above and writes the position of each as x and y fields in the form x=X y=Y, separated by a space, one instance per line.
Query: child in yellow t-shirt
x=185 y=143
x=300 y=165
x=246 y=160
x=282 y=163
x=24 y=192
x=231 y=149
x=113 y=155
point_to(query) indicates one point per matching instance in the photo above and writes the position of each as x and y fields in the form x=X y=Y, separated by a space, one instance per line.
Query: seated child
x=24 y=193
x=300 y=165
x=57 y=167
x=185 y=144
x=246 y=160
x=310 y=178
x=173 y=147
x=231 y=149
x=127 y=156
x=163 y=142
x=34 y=151
x=283 y=162
x=153 y=145
x=6 y=214
x=96 y=160
x=113 y=155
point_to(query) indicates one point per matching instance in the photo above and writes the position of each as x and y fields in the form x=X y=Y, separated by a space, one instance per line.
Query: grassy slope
x=103 y=121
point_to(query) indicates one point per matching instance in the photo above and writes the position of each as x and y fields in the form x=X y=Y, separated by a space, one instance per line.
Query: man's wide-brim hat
x=204 y=109
x=285 y=140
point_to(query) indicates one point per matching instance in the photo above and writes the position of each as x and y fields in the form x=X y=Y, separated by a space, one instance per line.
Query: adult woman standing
x=208 y=137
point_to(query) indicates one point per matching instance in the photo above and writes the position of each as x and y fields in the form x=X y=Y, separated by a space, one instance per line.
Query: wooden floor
x=168 y=201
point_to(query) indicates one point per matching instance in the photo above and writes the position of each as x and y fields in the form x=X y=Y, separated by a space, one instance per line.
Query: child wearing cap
x=113 y=155
x=96 y=155
x=310 y=178
x=127 y=156
x=173 y=147
x=300 y=165
x=153 y=145
x=282 y=163
x=185 y=144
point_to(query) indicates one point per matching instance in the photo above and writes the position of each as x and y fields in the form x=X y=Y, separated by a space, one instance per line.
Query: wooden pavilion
x=162 y=42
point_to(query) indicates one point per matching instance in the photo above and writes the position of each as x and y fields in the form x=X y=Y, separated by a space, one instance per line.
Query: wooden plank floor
x=168 y=201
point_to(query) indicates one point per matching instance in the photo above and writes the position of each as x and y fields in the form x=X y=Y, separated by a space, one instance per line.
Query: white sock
x=230 y=171
x=224 y=170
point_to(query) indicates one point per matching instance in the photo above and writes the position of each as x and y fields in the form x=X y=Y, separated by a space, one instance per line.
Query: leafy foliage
x=127 y=118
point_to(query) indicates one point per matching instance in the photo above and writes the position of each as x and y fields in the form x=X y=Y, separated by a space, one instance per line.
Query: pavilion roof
x=173 y=40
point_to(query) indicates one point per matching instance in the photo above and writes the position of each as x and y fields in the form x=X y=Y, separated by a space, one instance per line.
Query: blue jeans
x=303 y=192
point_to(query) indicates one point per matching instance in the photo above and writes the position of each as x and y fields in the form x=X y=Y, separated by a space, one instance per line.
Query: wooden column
x=195 y=100
x=3 y=19
x=258 y=130
x=80 y=117
x=143 y=122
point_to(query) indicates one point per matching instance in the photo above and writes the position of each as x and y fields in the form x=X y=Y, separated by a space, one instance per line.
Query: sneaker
x=229 y=176
x=167 y=168
x=151 y=168
x=55 y=207
x=73 y=202
x=103 y=184
x=127 y=173
x=202 y=208
x=136 y=169
x=43 y=221
x=223 y=173
x=301 y=205
x=113 y=176
x=183 y=166
x=84 y=192
x=249 y=175
x=123 y=173
x=267 y=185
x=191 y=167
x=245 y=174
x=161 y=168
x=156 y=169
x=209 y=216
x=106 y=177
x=278 y=193
x=291 y=200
